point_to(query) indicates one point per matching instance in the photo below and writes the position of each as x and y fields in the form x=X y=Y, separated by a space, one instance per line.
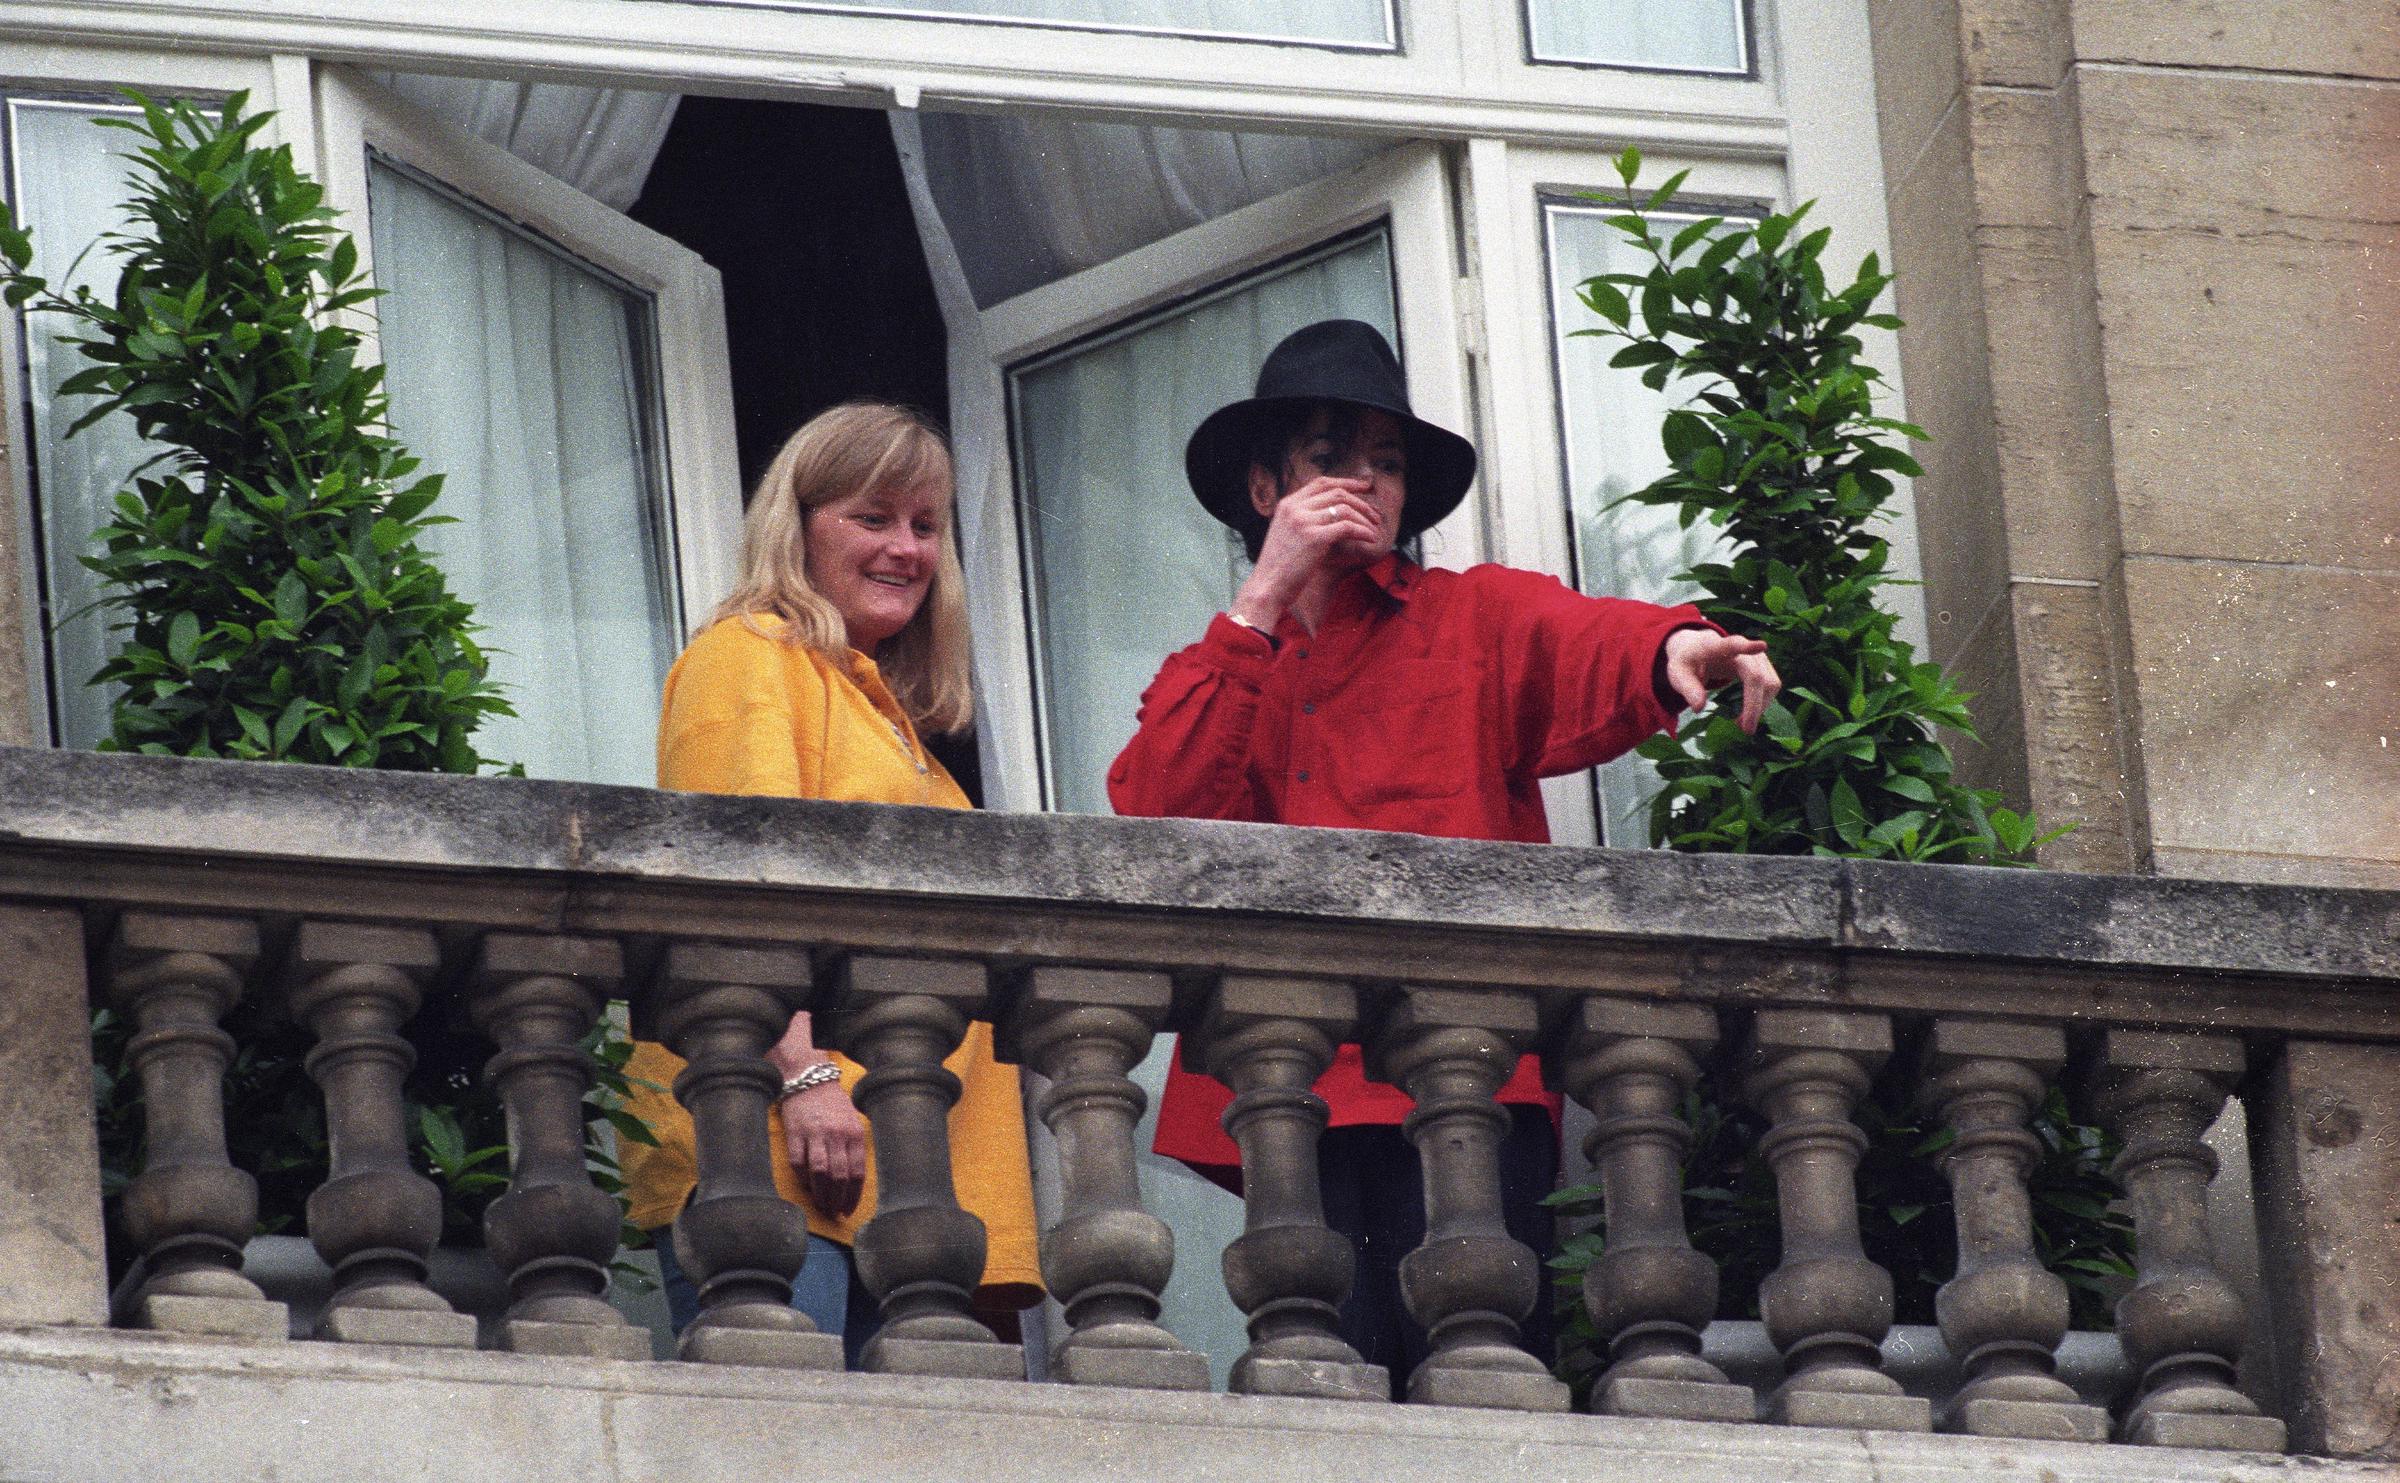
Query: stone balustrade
x=173 y=889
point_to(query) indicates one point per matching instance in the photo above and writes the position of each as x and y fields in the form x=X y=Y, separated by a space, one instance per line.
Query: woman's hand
x=1309 y=524
x=826 y=1140
x=1699 y=661
x=823 y=1135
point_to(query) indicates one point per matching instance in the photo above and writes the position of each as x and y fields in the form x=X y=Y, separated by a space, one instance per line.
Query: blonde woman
x=845 y=639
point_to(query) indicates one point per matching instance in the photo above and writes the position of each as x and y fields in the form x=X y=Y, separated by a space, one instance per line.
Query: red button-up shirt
x=1427 y=702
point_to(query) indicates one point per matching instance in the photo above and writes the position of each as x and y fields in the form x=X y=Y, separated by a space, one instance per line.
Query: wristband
x=813 y=1076
x=1237 y=619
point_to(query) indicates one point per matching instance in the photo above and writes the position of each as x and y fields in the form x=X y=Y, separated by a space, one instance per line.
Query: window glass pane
x=1124 y=568
x=1354 y=23
x=1611 y=421
x=69 y=187
x=1678 y=35
x=526 y=378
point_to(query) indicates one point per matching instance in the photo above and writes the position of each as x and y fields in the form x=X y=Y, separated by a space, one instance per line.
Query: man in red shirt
x=1347 y=686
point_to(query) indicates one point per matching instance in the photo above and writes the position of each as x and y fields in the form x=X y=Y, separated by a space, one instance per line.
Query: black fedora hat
x=1340 y=360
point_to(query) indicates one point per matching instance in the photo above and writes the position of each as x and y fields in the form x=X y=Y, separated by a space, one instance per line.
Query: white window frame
x=1462 y=71
x=1407 y=188
x=695 y=383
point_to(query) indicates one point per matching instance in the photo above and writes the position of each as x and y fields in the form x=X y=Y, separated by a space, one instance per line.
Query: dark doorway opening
x=803 y=210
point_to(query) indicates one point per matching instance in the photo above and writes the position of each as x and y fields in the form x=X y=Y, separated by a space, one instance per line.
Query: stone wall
x=2161 y=537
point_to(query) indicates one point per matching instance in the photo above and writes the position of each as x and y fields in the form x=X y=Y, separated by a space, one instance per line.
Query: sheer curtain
x=1019 y=197
x=601 y=141
x=69 y=188
x=1612 y=448
x=1695 y=35
x=524 y=377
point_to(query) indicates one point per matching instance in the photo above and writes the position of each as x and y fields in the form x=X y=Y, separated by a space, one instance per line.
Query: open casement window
x=1095 y=562
x=1572 y=435
x=564 y=369
x=1102 y=563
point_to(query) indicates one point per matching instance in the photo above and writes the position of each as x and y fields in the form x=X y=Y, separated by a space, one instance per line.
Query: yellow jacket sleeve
x=739 y=717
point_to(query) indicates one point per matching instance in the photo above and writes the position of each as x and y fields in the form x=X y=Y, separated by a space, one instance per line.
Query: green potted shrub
x=1782 y=450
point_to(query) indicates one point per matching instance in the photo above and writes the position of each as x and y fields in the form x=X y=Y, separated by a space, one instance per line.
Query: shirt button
x=1304 y=774
x=1308 y=708
x=1304 y=653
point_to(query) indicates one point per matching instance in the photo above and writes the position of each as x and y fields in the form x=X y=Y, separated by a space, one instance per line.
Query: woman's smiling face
x=873 y=554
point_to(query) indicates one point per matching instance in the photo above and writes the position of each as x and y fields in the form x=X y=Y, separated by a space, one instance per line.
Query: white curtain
x=1348 y=22
x=1612 y=448
x=1031 y=200
x=522 y=376
x=1699 y=35
x=71 y=188
x=601 y=141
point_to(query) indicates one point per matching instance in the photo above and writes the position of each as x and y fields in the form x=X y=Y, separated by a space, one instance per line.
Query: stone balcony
x=170 y=888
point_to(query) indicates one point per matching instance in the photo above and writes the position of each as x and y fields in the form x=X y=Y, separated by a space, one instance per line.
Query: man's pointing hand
x=1699 y=661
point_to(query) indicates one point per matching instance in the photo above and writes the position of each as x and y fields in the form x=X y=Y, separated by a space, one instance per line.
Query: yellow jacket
x=745 y=712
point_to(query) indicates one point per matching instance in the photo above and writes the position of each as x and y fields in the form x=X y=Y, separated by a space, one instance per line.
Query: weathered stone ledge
x=101 y=831
x=97 y=1406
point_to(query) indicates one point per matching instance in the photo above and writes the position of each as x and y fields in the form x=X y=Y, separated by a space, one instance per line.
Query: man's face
x=1343 y=443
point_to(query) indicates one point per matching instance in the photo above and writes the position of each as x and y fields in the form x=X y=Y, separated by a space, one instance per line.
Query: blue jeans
x=827 y=1290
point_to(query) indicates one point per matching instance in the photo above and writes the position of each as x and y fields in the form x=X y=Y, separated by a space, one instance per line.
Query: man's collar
x=1395 y=574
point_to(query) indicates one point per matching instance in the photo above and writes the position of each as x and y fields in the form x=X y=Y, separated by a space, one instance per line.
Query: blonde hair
x=854 y=447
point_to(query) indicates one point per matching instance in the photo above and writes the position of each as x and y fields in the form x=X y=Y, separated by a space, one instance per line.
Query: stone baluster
x=1107 y=1258
x=189 y=1212
x=922 y=1255
x=1471 y=1283
x=1270 y=1039
x=1650 y=1294
x=554 y=1232
x=2182 y=1325
x=375 y=1219
x=1827 y=1307
x=2003 y=1315
x=720 y=1006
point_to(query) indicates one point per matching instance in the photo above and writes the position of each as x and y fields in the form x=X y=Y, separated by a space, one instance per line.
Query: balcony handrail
x=104 y=831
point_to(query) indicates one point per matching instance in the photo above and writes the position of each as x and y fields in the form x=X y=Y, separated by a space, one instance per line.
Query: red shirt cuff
x=1236 y=650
